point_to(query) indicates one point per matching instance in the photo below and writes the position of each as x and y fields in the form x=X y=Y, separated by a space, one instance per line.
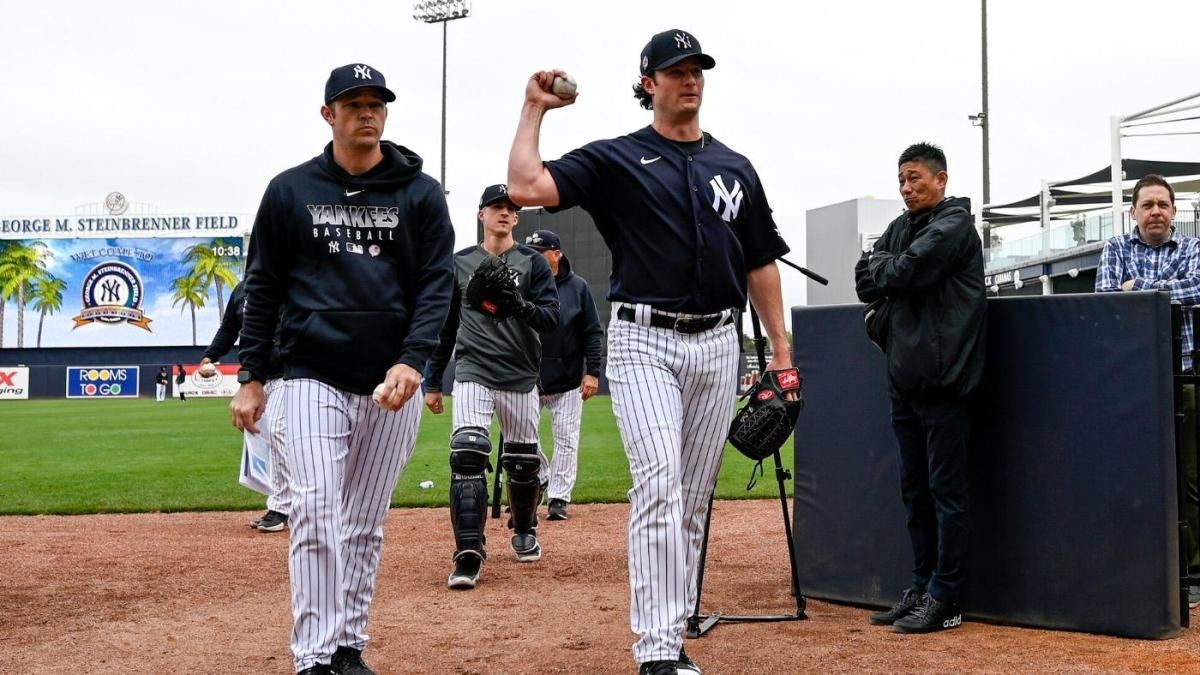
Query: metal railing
x=1063 y=238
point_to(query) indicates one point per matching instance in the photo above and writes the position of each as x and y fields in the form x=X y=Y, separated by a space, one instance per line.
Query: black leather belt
x=686 y=324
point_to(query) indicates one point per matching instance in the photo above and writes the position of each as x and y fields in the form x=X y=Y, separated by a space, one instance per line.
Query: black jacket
x=930 y=269
x=356 y=270
x=577 y=337
x=231 y=325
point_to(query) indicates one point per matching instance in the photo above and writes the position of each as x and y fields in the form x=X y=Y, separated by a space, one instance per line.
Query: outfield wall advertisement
x=166 y=291
x=222 y=383
x=102 y=382
x=14 y=383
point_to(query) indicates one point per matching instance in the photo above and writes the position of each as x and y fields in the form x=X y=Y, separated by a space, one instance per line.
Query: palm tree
x=47 y=298
x=211 y=268
x=21 y=264
x=190 y=291
x=3 y=298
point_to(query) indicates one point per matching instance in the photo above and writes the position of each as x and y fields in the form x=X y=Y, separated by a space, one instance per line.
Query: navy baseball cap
x=355 y=76
x=670 y=47
x=495 y=193
x=544 y=240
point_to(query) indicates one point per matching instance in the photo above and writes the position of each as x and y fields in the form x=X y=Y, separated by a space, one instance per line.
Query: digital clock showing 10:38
x=228 y=251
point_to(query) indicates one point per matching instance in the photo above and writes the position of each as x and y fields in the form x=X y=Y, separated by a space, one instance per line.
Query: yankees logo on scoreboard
x=731 y=198
x=112 y=294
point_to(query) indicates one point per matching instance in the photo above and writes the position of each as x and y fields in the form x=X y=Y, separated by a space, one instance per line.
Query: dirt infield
x=203 y=593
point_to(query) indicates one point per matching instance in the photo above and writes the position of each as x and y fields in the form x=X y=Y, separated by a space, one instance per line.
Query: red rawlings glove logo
x=489 y=307
x=788 y=379
x=765 y=395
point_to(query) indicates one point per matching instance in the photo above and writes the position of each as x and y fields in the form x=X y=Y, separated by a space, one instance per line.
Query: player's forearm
x=527 y=175
x=767 y=295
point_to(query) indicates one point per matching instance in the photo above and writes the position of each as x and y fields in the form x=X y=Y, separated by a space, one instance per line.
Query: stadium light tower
x=443 y=12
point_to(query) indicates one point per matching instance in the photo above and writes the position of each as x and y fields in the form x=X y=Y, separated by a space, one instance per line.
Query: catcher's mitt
x=763 y=425
x=491 y=287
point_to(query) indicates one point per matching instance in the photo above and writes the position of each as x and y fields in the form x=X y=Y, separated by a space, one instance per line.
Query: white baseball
x=377 y=395
x=563 y=87
x=208 y=370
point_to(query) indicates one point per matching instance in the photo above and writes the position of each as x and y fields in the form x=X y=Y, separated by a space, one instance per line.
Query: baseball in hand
x=377 y=395
x=563 y=87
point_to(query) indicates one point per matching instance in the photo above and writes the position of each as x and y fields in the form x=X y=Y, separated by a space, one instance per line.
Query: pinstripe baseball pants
x=281 y=495
x=566 y=414
x=673 y=397
x=474 y=405
x=345 y=455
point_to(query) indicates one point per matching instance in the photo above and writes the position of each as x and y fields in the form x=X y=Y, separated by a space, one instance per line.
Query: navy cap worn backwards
x=355 y=76
x=544 y=240
x=495 y=193
x=670 y=47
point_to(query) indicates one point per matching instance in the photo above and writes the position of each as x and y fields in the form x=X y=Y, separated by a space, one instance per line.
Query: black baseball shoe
x=686 y=666
x=558 y=509
x=932 y=615
x=348 y=661
x=254 y=523
x=907 y=603
x=274 y=521
x=466 y=572
x=526 y=547
x=658 y=668
x=318 y=669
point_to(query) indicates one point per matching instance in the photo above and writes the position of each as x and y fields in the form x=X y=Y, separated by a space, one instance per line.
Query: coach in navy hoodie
x=565 y=381
x=351 y=256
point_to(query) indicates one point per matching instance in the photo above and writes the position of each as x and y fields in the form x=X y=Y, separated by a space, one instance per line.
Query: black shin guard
x=469 y=452
x=521 y=464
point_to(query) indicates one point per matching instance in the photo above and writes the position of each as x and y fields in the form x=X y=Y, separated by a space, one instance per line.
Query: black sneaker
x=909 y=601
x=686 y=666
x=254 y=523
x=466 y=572
x=526 y=547
x=274 y=521
x=317 y=669
x=658 y=668
x=558 y=509
x=348 y=661
x=932 y=615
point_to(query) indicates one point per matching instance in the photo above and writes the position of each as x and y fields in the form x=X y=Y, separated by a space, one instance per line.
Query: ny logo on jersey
x=683 y=41
x=334 y=247
x=732 y=198
x=362 y=72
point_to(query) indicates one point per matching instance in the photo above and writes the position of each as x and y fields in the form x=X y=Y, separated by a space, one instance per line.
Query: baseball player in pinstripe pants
x=350 y=259
x=566 y=381
x=279 y=501
x=691 y=233
x=496 y=371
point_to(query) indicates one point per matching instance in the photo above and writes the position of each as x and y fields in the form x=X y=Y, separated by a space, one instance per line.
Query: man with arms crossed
x=690 y=231
x=1153 y=257
x=350 y=257
x=929 y=266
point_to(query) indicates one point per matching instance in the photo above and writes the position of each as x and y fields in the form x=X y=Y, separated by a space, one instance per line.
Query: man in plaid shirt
x=1150 y=258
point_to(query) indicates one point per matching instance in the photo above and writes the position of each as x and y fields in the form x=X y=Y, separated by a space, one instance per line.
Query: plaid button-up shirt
x=1173 y=266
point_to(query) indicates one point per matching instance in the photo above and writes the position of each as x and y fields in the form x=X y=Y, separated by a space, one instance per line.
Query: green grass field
x=92 y=456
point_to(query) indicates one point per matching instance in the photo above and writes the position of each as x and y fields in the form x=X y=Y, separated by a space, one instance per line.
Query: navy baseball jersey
x=695 y=209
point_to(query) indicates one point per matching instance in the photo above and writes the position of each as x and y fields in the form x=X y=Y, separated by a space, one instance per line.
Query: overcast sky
x=194 y=106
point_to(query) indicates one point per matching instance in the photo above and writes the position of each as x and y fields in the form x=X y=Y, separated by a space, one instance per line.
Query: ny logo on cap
x=683 y=41
x=534 y=238
x=731 y=198
x=362 y=72
x=503 y=189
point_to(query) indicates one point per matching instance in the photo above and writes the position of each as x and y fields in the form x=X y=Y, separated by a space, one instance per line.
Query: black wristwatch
x=246 y=376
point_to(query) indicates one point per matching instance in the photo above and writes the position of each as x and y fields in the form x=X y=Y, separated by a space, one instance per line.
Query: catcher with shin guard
x=762 y=426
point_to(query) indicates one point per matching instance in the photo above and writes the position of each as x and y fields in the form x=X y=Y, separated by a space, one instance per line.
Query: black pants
x=932 y=435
